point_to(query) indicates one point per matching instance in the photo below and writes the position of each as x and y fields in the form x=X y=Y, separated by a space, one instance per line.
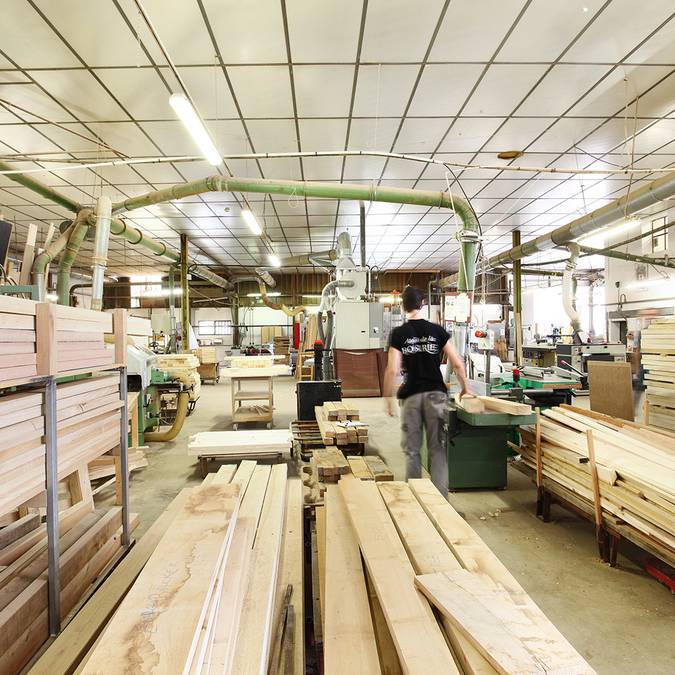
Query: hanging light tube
x=188 y=116
x=274 y=260
x=251 y=221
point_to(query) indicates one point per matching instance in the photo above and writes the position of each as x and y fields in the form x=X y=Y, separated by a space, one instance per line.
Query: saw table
x=477 y=447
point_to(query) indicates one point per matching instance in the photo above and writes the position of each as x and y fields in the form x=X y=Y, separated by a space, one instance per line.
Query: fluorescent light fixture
x=161 y=292
x=251 y=221
x=274 y=260
x=273 y=294
x=646 y=283
x=188 y=116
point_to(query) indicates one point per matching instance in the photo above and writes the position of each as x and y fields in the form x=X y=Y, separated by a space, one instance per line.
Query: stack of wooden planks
x=410 y=538
x=18 y=357
x=338 y=429
x=104 y=466
x=89 y=541
x=370 y=467
x=329 y=464
x=210 y=354
x=657 y=347
x=282 y=345
x=88 y=425
x=80 y=338
x=222 y=591
x=492 y=404
x=182 y=367
x=621 y=471
x=258 y=361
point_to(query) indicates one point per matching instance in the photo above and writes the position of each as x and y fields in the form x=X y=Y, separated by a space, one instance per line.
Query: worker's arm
x=457 y=367
x=390 y=375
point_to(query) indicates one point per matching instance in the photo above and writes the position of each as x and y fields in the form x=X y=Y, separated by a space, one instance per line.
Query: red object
x=481 y=334
x=516 y=374
x=296 y=335
x=653 y=568
x=318 y=343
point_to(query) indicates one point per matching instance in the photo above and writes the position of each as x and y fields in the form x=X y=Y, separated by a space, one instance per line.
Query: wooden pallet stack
x=410 y=540
x=222 y=589
x=657 y=348
x=339 y=424
x=90 y=540
x=282 y=347
x=623 y=476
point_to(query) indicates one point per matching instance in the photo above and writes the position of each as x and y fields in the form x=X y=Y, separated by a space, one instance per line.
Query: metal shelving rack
x=48 y=385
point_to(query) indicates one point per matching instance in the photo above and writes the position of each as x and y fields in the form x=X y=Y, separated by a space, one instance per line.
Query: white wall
x=658 y=294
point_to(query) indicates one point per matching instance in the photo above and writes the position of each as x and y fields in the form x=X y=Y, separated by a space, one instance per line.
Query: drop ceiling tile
x=563 y=135
x=620 y=87
x=32 y=43
x=419 y=136
x=322 y=168
x=469 y=134
x=209 y=90
x=372 y=134
x=470 y=35
x=516 y=134
x=503 y=88
x=323 y=91
x=80 y=93
x=443 y=89
x=618 y=30
x=322 y=134
x=285 y=168
x=25 y=139
x=324 y=31
x=262 y=91
x=273 y=135
x=383 y=90
x=400 y=35
x=363 y=168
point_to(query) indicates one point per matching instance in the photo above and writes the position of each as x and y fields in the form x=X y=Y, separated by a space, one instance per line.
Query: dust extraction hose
x=181 y=415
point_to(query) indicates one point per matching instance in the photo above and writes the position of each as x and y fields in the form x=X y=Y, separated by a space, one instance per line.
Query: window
x=221 y=327
x=659 y=240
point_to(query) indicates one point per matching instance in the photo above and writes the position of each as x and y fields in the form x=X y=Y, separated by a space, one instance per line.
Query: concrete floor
x=620 y=619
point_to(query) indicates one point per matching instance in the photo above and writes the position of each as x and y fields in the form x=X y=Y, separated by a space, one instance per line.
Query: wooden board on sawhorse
x=264 y=456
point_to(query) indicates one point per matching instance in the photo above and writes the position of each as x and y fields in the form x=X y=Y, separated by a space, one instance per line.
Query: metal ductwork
x=568 y=286
x=100 y=259
x=77 y=235
x=639 y=199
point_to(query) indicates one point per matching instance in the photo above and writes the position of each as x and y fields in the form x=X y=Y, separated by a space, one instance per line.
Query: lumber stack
x=634 y=465
x=80 y=338
x=370 y=467
x=238 y=445
x=339 y=424
x=88 y=425
x=491 y=404
x=329 y=464
x=104 y=466
x=18 y=357
x=89 y=540
x=182 y=367
x=210 y=354
x=222 y=591
x=657 y=347
x=410 y=540
x=282 y=347
x=257 y=361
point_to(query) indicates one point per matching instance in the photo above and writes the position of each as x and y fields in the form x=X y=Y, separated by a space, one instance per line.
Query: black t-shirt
x=421 y=344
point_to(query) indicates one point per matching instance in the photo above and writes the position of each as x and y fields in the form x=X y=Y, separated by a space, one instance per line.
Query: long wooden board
x=475 y=556
x=420 y=644
x=347 y=612
x=428 y=554
x=153 y=629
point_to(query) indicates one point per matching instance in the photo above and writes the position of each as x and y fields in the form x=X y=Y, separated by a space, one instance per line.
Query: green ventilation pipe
x=468 y=237
x=43 y=260
x=79 y=232
x=41 y=188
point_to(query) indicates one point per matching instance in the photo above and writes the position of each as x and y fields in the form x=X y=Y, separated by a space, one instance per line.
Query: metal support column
x=124 y=457
x=185 y=294
x=172 y=309
x=517 y=303
x=52 y=485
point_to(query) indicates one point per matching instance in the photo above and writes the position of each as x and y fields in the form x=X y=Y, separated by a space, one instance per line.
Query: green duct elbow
x=79 y=232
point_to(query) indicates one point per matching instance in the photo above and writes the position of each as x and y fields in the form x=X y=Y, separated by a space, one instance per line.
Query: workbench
x=253 y=405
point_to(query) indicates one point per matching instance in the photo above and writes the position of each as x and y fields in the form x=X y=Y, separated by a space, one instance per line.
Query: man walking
x=417 y=347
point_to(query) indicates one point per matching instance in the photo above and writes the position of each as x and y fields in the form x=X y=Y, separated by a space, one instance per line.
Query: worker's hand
x=465 y=393
x=390 y=407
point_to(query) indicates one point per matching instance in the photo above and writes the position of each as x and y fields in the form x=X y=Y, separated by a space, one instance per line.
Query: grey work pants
x=427 y=410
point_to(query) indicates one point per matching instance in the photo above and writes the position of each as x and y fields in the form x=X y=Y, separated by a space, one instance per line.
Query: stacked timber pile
x=257 y=361
x=104 y=466
x=210 y=354
x=80 y=338
x=18 y=357
x=412 y=540
x=282 y=346
x=370 y=467
x=620 y=473
x=657 y=347
x=90 y=539
x=182 y=367
x=220 y=591
x=88 y=425
x=339 y=424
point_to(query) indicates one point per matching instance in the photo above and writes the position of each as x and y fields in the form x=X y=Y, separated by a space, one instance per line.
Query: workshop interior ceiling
x=566 y=82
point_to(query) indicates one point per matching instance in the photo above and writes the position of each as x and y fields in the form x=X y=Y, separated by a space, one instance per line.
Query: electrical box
x=359 y=325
